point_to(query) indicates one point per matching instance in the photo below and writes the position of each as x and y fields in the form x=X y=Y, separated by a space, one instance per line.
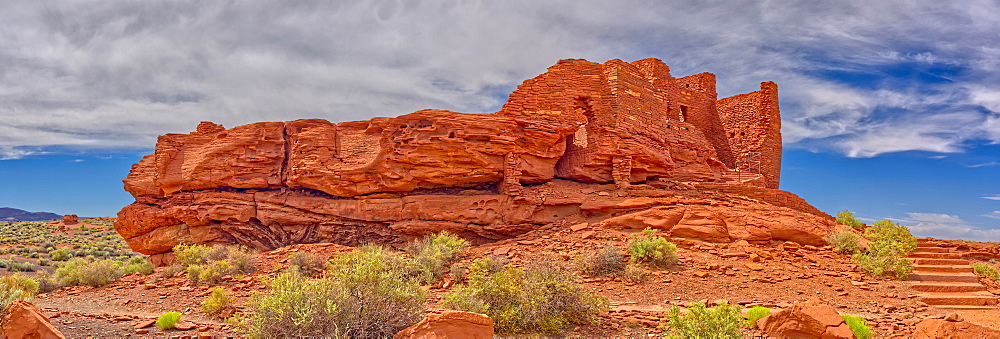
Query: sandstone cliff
x=549 y=156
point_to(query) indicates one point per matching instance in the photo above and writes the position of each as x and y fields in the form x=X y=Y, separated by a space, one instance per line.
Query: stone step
x=947 y=287
x=942 y=268
x=933 y=249
x=965 y=307
x=933 y=255
x=945 y=277
x=926 y=261
x=968 y=299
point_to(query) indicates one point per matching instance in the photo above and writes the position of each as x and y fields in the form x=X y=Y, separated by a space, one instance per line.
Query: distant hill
x=13 y=214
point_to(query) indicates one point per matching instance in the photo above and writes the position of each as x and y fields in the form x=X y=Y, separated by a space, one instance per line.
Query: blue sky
x=890 y=108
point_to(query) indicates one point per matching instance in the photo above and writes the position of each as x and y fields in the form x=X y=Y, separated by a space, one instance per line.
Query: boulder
x=811 y=319
x=943 y=329
x=70 y=219
x=450 y=324
x=23 y=320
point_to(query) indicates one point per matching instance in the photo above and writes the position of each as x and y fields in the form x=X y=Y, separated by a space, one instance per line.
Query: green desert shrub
x=306 y=263
x=210 y=263
x=542 y=298
x=844 y=242
x=652 y=248
x=722 y=321
x=16 y=266
x=217 y=301
x=756 y=313
x=859 y=326
x=888 y=231
x=83 y=271
x=985 y=270
x=890 y=242
x=138 y=265
x=433 y=253
x=607 y=262
x=847 y=218
x=16 y=287
x=634 y=273
x=167 y=320
x=366 y=293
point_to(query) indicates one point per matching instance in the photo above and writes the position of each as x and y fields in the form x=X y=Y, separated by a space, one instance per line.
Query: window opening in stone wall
x=684 y=113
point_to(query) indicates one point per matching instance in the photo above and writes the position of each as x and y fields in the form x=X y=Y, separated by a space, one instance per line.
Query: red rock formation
x=23 y=320
x=811 y=319
x=943 y=329
x=70 y=219
x=450 y=324
x=272 y=184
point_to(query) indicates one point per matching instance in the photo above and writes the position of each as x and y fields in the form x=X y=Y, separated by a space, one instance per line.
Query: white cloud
x=945 y=226
x=12 y=153
x=994 y=214
x=992 y=197
x=114 y=74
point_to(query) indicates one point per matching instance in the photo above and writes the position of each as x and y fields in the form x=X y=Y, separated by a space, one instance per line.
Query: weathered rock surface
x=23 y=320
x=811 y=319
x=942 y=329
x=272 y=184
x=70 y=219
x=448 y=325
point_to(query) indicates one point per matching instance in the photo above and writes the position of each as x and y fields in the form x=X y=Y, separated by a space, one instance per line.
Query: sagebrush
x=541 y=298
x=368 y=292
x=985 y=270
x=653 y=249
x=722 y=321
x=433 y=253
x=858 y=326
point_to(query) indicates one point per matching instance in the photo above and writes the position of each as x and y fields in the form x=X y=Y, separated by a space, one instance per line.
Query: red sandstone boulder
x=23 y=320
x=811 y=319
x=450 y=324
x=71 y=219
x=942 y=329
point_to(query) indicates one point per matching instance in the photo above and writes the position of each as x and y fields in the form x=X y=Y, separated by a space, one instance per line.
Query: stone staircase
x=734 y=176
x=946 y=280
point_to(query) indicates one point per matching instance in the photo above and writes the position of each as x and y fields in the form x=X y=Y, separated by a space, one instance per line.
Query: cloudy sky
x=890 y=108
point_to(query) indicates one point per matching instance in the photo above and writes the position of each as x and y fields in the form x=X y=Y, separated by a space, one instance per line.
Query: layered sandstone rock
x=22 y=319
x=944 y=329
x=811 y=319
x=579 y=125
x=450 y=324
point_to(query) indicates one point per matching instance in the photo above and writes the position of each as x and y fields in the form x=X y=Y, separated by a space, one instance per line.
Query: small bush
x=306 y=263
x=883 y=260
x=844 y=242
x=859 y=326
x=81 y=271
x=607 y=262
x=756 y=313
x=847 y=218
x=544 y=298
x=169 y=271
x=167 y=320
x=368 y=292
x=138 y=265
x=217 y=301
x=722 y=321
x=16 y=266
x=432 y=254
x=634 y=273
x=653 y=249
x=890 y=242
x=46 y=283
x=985 y=270
x=888 y=231
x=210 y=263
x=16 y=287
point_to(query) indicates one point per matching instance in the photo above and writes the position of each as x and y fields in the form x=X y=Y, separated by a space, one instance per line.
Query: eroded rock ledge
x=621 y=144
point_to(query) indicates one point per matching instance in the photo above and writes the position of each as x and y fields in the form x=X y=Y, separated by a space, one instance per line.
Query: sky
x=890 y=109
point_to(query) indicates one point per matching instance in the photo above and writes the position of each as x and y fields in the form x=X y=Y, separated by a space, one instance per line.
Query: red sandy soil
x=706 y=272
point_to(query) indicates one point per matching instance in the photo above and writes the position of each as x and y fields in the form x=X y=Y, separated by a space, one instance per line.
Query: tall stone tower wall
x=752 y=124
